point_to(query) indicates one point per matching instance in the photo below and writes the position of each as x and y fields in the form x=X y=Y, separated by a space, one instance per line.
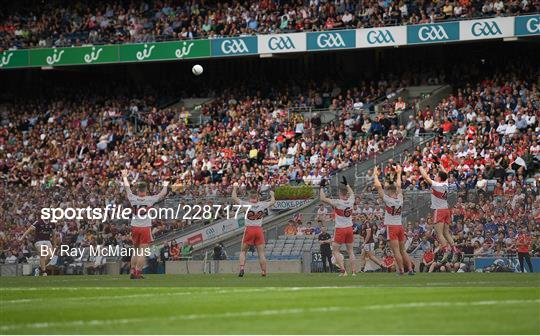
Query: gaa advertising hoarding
x=486 y=29
x=234 y=46
x=331 y=40
x=527 y=25
x=468 y=30
x=381 y=37
x=212 y=231
x=282 y=43
x=433 y=33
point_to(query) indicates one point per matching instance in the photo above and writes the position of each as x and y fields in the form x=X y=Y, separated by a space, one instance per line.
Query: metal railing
x=396 y=154
x=310 y=111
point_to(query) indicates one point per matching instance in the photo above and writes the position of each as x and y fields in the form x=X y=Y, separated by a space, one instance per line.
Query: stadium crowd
x=487 y=139
x=67 y=23
x=72 y=154
x=62 y=153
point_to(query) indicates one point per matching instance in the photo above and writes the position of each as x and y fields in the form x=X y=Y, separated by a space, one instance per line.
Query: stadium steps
x=194 y=105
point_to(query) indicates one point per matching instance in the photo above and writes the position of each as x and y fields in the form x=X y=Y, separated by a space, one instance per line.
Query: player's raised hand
x=125 y=173
x=399 y=169
x=376 y=171
x=166 y=183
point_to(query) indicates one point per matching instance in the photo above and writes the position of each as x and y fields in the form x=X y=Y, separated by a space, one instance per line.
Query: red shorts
x=443 y=216
x=344 y=235
x=141 y=235
x=253 y=235
x=395 y=232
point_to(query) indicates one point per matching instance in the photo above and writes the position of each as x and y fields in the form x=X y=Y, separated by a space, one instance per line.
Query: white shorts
x=40 y=243
x=369 y=247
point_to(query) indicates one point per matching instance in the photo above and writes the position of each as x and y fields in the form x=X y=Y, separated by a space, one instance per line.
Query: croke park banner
x=444 y=32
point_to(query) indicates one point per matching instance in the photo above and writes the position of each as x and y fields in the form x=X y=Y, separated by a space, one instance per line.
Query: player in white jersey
x=443 y=214
x=253 y=231
x=141 y=224
x=343 y=233
x=392 y=196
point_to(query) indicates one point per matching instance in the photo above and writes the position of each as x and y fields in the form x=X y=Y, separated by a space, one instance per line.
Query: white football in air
x=197 y=69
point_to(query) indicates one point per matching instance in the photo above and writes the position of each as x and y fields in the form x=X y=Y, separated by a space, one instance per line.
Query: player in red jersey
x=141 y=224
x=443 y=214
x=253 y=232
x=392 y=195
x=343 y=234
x=44 y=235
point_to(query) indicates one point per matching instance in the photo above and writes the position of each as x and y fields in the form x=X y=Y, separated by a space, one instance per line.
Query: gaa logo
x=380 y=37
x=533 y=25
x=234 y=46
x=330 y=40
x=281 y=43
x=432 y=33
x=485 y=29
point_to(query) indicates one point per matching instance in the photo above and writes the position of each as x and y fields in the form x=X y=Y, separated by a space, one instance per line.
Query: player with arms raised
x=141 y=224
x=392 y=196
x=44 y=235
x=343 y=234
x=443 y=214
x=253 y=232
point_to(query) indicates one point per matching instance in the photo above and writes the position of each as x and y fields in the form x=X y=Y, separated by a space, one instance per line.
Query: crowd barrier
x=310 y=262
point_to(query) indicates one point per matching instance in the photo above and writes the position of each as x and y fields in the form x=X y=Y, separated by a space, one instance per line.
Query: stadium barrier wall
x=111 y=268
x=230 y=266
x=511 y=263
x=443 y=32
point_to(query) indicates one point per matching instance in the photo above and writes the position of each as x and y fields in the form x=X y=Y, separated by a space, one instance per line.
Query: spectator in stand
x=427 y=259
x=291 y=229
x=301 y=229
x=187 y=251
x=388 y=261
x=322 y=213
x=523 y=247
x=175 y=251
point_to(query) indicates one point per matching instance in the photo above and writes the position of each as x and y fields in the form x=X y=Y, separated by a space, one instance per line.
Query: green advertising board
x=164 y=51
x=157 y=51
x=13 y=59
x=74 y=56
